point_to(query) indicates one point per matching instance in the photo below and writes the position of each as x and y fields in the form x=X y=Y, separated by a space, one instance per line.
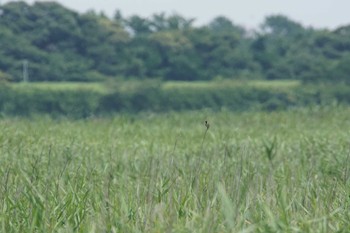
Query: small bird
x=206 y=123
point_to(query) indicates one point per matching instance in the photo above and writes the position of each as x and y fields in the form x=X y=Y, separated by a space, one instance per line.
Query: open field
x=250 y=172
x=262 y=84
x=60 y=86
x=168 y=85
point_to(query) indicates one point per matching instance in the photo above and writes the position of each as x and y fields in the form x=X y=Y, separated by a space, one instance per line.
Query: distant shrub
x=75 y=104
x=150 y=96
x=4 y=77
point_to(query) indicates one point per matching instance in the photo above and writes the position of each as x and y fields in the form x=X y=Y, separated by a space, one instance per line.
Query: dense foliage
x=159 y=97
x=62 y=45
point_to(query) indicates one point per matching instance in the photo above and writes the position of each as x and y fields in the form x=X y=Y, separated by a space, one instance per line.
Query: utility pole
x=25 y=71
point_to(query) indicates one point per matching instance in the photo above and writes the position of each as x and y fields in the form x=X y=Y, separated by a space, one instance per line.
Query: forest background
x=54 y=60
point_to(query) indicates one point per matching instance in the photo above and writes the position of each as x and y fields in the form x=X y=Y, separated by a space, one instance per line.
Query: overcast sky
x=249 y=13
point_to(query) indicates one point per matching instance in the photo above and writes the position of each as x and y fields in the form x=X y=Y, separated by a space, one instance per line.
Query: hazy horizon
x=250 y=14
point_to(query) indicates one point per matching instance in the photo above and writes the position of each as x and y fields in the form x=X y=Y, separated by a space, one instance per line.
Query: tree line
x=59 y=44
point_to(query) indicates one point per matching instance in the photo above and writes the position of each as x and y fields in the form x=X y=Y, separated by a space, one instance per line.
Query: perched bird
x=206 y=123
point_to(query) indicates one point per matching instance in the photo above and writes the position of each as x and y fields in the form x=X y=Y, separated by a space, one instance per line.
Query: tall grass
x=255 y=172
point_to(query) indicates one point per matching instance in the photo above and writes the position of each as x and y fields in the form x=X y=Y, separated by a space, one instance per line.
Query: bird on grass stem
x=207 y=125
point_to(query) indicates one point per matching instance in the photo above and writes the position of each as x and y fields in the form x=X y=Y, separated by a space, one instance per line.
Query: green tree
x=340 y=72
x=179 y=60
x=273 y=46
x=281 y=26
x=138 y=25
x=224 y=49
x=222 y=24
x=104 y=42
x=162 y=22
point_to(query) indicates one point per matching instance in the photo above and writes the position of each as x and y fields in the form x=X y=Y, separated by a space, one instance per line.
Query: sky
x=248 y=13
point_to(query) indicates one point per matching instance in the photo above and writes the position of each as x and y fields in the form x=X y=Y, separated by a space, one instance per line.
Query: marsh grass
x=151 y=173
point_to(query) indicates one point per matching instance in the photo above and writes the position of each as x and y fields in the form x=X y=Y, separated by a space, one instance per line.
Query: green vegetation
x=60 y=45
x=82 y=65
x=253 y=172
x=69 y=163
x=60 y=86
x=84 y=100
x=128 y=85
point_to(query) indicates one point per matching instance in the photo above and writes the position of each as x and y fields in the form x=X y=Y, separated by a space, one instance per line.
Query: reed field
x=284 y=171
